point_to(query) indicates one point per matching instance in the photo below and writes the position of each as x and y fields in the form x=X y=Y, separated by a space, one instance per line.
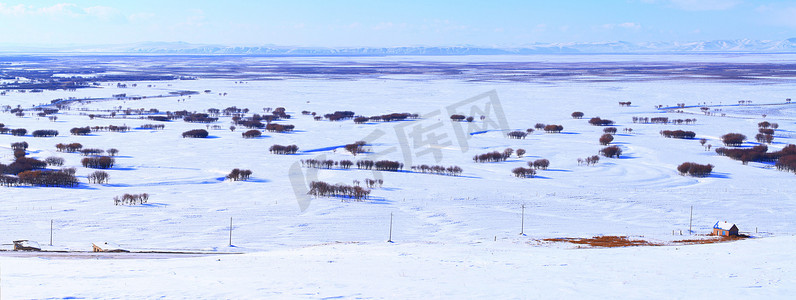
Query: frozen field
x=454 y=236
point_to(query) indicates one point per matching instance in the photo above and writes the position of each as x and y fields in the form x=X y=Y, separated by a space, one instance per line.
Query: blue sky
x=391 y=23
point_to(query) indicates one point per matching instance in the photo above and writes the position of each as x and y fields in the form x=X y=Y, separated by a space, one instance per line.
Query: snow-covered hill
x=454 y=236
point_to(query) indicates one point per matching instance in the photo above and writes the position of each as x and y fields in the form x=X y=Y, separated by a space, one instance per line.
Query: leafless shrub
x=323 y=189
x=279 y=149
x=131 y=199
x=238 y=174
x=695 y=169
x=98 y=177
x=611 y=151
x=54 y=161
x=523 y=172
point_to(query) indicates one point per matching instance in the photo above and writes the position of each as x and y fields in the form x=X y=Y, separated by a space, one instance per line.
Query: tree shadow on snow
x=323 y=149
x=153 y=205
x=719 y=175
x=123 y=169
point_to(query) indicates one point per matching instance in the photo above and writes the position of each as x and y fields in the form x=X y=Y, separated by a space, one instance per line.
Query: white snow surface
x=454 y=237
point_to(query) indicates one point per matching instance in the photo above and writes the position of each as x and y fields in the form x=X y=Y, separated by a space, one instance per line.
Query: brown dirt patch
x=611 y=241
x=605 y=241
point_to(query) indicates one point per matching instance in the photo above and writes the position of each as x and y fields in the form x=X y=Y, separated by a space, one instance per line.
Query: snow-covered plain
x=454 y=237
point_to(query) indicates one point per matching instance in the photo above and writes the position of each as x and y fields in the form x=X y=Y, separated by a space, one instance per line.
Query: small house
x=25 y=245
x=106 y=247
x=725 y=229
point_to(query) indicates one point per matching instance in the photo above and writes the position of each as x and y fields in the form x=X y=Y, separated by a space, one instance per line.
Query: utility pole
x=522 y=228
x=389 y=240
x=51 y=232
x=690 y=220
x=230 y=231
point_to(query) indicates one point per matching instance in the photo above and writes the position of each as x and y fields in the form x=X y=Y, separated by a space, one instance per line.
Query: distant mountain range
x=619 y=47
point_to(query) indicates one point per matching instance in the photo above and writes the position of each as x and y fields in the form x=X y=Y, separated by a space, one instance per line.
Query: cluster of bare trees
x=111 y=128
x=596 y=121
x=21 y=164
x=757 y=153
x=381 y=165
x=153 y=118
x=19 y=132
x=69 y=148
x=131 y=199
x=695 y=169
x=787 y=163
x=523 y=172
x=577 y=115
x=279 y=149
x=493 y=156
x=764 y=138
x=609 y=130
x=195 y=133
x=6 y=180
x=340 y=115
x=662 y=120
x=517 y=134
x=371 y=183
x=356 y=148
x=199 y=118
x=153 y=126
x=255 y=121
x=19 y=146
x=365 y=164
x=15 y=132
x=326 y=163
x=678 y=134
x=388 y=165
x=323 y=189
x=44 y=133
x=591 y=160
x=766 y=130
x=553 y=128
x=606 y=139
x=254 y=133
x=98 y=177
x=47 y=178
x=102 y=162
x=460 y=118
x=520 y=152
x=733 y=139
x=273 y=127
x=440 y=170
x=238 y=174
x=54 y=161
x=684 y=121
x=624 y=103
x=386 y=117
x=648 y=120
x=80 y=130
x=91 y=151
x=539 y=164
x=611 y=151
